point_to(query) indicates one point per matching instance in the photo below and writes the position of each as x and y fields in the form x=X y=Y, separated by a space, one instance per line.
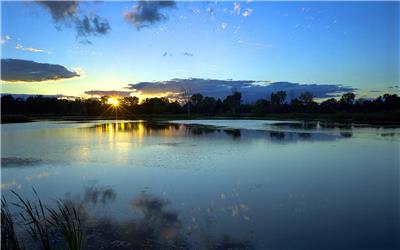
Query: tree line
x=232 y=104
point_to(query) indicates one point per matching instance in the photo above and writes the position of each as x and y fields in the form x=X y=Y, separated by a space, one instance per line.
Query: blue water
x=250 y=183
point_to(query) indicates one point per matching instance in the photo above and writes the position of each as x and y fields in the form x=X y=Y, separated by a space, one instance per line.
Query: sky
x=159 y=48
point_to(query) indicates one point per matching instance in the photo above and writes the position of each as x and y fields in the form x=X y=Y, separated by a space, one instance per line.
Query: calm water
x=210 y=184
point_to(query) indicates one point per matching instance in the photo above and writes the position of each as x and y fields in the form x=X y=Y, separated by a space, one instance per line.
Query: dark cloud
x=108 y=93
x=251 y=90
x=15 y=70
x=187 y=54
x=147 y=13
x=26 y=96
x=66 y=13
x=92 y=26
x=60 y=10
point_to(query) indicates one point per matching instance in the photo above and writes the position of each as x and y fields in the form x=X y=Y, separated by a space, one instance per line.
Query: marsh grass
x=42 y=223
x=65 y=218
x=8 y=235
x=34 y=218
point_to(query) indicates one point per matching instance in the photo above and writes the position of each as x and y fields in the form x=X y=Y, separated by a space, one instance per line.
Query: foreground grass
x=69 y=225
x=41 y=223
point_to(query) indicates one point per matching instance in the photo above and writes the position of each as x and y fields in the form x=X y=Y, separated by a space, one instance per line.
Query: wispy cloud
x=148 y=13
x=247 y=12
x=236 y=8
x=16 y=70
x=188 y=54
x=30 y=49
x=4 y=39
x=258 y=44
x=108 y=93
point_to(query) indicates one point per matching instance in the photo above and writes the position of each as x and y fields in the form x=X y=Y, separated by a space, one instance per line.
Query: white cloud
x=247 y=12
x=4 y=40
x=30 y=49
x=236 y=8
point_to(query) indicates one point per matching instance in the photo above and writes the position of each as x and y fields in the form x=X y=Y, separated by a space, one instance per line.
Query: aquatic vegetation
x=8 y=235
x=42 y=223
x=68 y=226
x=34 y=217
x=65 y=218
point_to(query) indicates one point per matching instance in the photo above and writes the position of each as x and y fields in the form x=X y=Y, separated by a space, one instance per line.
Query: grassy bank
x=15 y=119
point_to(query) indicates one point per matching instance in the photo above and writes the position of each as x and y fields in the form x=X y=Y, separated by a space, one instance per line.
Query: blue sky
x=354 y=44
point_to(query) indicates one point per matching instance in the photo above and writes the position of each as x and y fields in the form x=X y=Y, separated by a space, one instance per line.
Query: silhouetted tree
x=232 y=102
x=35 y=105
x=277 y=100
x=329 y=106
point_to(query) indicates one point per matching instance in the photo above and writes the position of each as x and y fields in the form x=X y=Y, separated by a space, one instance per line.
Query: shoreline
x=370 y=118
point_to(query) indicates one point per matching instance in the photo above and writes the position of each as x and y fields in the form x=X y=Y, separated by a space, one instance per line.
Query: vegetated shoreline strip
x=362 y=118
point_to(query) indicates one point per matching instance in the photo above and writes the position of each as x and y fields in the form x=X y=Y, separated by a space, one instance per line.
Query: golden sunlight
x=113 y=101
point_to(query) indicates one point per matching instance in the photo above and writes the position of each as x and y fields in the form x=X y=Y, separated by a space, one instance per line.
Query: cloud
x=247 y=12
x=224 y=25
x=251 y=90
x=258 y=44
x=26 y=96
x=4 y=40
x=187 y=54
x=16 y=70
x=148 y=13
x=108 y=93
x=92 y=26
x=236 y=8
x=61 y=10
x=66 y=13
x=30 y=49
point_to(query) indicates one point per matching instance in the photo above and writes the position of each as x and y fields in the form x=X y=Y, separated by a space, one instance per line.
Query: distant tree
x=196 y=102
x=330 y=105
x=346 y=101
x=7 y=104
x=131 y=101
x=306 y=98
x=104 y=99
x=392 y=101
x=219 y=106
x=261 y=106
x=296 y=105
x=185 y=96
x=277 y=100
x=209 y=105
x=196 y=99
x=232 y=102
x=347 y=98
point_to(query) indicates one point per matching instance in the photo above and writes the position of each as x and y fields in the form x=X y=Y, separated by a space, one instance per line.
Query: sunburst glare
x=113 y=101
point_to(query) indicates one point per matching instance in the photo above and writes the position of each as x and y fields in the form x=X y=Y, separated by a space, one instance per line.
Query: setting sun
x=113 y=101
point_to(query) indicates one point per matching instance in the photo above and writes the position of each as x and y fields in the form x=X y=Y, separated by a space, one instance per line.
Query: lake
x=214 y=184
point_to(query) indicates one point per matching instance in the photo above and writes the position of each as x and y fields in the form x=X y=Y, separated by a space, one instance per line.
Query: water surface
x=216 y=183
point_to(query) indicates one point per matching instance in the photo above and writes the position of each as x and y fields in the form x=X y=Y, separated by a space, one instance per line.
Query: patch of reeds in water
x=42 y=223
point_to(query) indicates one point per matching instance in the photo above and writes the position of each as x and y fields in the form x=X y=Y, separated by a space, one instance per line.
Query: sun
x=113 y=101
